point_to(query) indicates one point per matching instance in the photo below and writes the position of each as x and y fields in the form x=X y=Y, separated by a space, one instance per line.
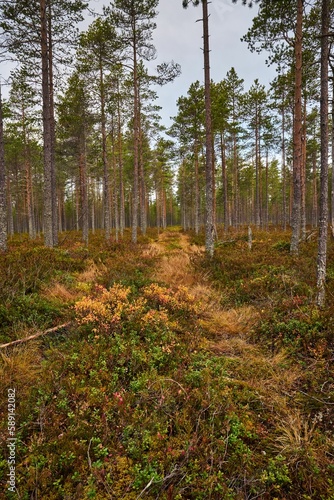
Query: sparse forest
x=166 y=298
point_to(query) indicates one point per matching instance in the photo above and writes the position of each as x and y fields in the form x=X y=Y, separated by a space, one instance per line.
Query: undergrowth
x=141 y=397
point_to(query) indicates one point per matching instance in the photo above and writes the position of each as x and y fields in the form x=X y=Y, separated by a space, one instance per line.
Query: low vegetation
x=176 y=377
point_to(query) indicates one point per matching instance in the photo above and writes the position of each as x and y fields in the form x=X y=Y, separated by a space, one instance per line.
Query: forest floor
x=175 y=376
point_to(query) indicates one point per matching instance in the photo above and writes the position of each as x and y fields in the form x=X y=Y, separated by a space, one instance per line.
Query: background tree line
x=86 y=150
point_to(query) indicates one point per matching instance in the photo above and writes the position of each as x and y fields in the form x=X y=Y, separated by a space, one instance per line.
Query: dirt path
x=272 y=377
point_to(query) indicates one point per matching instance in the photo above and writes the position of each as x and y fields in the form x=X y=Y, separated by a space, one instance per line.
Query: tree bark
x=47 y=141
x=323 y=216
x=224 y=181
x=120 y=167
x=106 y=197
x=3 y=203
x=83 y=190
x=297 y=133
x=332 y=134
x=28 y=180
x=209 y=222
x=55 y=227
x=136 y=118
x=197 y=196
x=303 y=179
x=284 y=210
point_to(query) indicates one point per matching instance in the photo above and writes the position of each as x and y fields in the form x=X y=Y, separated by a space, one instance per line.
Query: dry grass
x=230 y=322
x=174 y=270
x=271 y=377
x=60 y=292
x=19 y=366
x=90 y=274
x=296 y=433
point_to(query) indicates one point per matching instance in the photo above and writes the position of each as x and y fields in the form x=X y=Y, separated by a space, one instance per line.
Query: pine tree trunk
x=3 y=201
x=267 y=192
x=235 y=197
x=115 y=189
x=332 y=134
x=47 y=140
x=303 y=179
x=136 y=122
x=120 y=169
x=52 y=134
x=143 y=212
x=224 y=181
x=297 y=133
x=106 y=187
x=83 y=191
x=323 y=219
x=9 y=206
x=197 y=199
x=257 y=172
x=209 y=222
x=28 y=181
x=283 y=171
x=314 y=190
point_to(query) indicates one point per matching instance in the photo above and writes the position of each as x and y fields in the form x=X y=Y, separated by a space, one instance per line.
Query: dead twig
x=38 y=334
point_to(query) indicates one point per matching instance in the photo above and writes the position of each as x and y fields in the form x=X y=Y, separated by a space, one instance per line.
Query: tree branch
x=38 y=334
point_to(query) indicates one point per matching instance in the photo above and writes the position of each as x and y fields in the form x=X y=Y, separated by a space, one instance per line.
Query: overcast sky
x=179 y=37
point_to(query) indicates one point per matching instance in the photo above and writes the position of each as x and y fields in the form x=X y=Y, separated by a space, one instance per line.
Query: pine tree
x=209 y=156
x=23 y=103
x=30 y=32
x=3 y=204
x=323 y=216
x=98 y=55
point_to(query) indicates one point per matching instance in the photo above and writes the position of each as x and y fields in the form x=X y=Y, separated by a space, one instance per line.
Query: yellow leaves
x=173 y=299
x=106 y=310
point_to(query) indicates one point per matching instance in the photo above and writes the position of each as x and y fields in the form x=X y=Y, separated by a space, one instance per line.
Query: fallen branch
x=39 y=334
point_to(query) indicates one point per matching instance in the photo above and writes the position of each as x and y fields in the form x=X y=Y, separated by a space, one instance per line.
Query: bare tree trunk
x=224 y=182
x=28 y=181
x=314 y=191
x=267 y=192
x=120 y=169
x=284 y=171
x=115 y=188
x=235 y=193
x=209 y=222
x=3 y=201
x=332 y=134
x=303 y=179
x=163 y=209
x=323 y=219
x=106 y=197
x=197 y=200
x=48 y=211
x=9 y=206
x=143 y=212
x=84 y=191
x=52 y=135
x=136 y=138
x=297 y=133
x=257 y=172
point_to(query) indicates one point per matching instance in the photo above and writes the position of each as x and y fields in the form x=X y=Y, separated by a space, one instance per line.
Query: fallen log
x=38 y=334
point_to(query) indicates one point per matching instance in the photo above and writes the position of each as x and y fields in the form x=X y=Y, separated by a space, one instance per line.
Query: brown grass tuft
x=89 y=275
x=19 y=366
x=174 y=270
x=59 y=291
